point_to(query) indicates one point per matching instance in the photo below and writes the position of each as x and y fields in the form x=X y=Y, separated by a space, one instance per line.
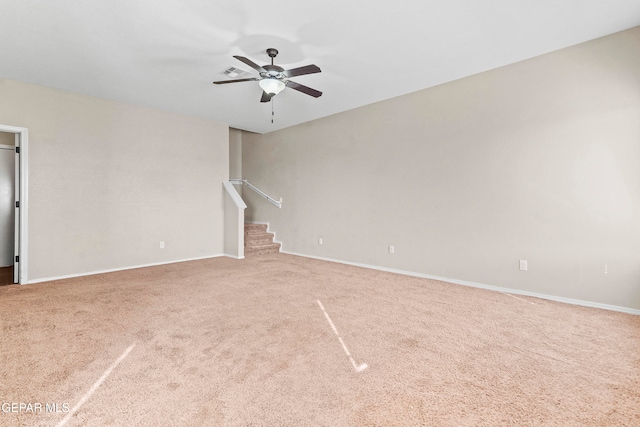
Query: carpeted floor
x=280 y=340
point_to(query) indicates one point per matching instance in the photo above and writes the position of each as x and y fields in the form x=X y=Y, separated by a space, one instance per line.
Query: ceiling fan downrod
x=272 y=52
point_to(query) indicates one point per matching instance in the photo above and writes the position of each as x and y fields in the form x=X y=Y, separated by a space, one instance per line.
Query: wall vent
x=236 y=73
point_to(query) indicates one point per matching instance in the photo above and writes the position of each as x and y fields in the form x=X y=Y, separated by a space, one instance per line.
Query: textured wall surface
x=537 y=161
x=109 y=181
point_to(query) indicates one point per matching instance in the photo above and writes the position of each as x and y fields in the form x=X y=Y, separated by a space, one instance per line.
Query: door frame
x=11 y=150
x=21 y=221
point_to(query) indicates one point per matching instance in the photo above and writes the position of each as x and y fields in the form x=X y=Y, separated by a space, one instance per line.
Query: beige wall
x=235 y=157
x=7 y=138
x=233 y=222
x=109 y=181
x=235 y=154
x=538 y=160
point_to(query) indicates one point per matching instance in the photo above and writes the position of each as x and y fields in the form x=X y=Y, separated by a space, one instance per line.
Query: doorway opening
x=13 y=204
x=7 y=211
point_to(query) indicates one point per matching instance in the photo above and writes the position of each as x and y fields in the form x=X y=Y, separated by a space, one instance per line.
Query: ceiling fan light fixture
x=271 y=85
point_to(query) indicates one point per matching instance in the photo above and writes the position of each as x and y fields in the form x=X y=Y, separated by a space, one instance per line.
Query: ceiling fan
x=274 y=79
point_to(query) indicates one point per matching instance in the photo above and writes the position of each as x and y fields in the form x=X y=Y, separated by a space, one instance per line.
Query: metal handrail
x=276 y=203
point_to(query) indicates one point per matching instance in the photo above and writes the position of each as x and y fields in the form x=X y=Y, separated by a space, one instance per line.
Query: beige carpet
x=226 y=342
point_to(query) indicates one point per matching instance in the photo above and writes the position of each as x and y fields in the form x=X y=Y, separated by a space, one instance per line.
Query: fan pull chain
x=272 y=113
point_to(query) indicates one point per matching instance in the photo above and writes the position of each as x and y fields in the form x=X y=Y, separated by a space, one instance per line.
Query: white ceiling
x=166 y=53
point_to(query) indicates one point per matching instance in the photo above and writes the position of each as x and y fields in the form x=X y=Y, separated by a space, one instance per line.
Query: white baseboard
x=234 y=256
x=91 y=273
x=481 y=285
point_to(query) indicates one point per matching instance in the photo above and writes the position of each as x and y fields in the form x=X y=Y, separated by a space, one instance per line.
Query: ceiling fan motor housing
x=273 y=71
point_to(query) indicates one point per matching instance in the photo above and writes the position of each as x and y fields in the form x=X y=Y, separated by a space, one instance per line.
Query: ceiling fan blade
x=266 y=97
x=309 y=69
x=250 y=63
x=303 y=89
x=250 y=79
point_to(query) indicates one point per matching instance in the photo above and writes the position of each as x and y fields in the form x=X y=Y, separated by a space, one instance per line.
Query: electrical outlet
x=523 y=265
x=606 y=269
x=392 y=249
x=161 y=245
x=320 y=241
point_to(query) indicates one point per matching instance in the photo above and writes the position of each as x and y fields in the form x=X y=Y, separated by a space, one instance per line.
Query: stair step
x=255 y=228
x=262 y=249
x=258 y=239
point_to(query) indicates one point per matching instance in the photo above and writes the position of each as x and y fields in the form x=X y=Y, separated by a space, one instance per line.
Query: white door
x=7 y=205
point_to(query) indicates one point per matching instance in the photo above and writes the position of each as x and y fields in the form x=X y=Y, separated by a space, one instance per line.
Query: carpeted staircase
x=257 y=241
